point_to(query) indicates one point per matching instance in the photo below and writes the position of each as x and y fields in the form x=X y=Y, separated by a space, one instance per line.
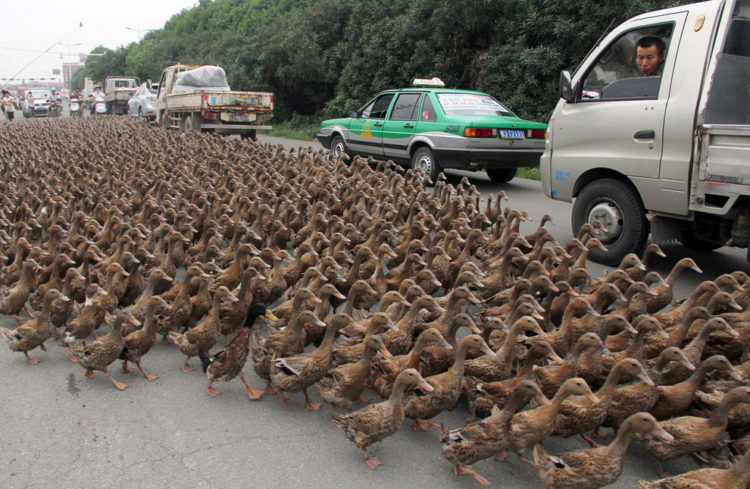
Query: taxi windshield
x=471 y=104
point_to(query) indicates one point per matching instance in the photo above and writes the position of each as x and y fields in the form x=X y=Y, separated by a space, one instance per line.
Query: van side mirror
x=354 y=114
x=566 y=88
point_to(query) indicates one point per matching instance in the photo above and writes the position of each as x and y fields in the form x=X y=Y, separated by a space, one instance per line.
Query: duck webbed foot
x=149 y=377
x=460 y=469
x=372 y=462
x=311 y=406
x=186 y=367
x=117 y=384
x=32 y=361
x=253 y=394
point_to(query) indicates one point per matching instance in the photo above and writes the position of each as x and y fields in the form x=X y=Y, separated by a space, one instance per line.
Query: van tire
x=697 y=244
x=501 y=175
x=338 y=146
x=618 y=208
x=424 y=160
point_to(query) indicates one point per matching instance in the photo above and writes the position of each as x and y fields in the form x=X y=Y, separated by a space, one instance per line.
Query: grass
x=296 y=128
x=530 y=173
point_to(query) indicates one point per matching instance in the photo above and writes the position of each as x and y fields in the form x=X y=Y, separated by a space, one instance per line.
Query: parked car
x=432 y=128
x=42 y=99
x=143 y=102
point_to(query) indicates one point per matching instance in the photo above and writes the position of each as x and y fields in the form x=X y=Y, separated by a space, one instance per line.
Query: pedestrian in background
x=9 y=105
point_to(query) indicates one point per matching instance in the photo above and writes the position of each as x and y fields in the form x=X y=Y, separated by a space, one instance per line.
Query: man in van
x=650 y=55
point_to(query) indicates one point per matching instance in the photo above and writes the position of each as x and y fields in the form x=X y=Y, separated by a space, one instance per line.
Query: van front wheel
x=618 y=209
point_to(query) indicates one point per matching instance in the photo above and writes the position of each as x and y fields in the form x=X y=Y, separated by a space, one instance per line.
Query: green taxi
x=432 y=128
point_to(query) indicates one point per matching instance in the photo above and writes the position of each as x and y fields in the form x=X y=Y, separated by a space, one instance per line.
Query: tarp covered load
x=203 y=78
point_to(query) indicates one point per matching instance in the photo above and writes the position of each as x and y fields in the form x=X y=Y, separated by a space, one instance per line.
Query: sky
x=29 y=28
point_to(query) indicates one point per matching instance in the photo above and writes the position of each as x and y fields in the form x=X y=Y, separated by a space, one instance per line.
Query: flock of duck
x=346 y=275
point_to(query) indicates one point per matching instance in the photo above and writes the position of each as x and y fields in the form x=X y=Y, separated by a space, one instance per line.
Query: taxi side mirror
x=354 y=114
x=566 y=88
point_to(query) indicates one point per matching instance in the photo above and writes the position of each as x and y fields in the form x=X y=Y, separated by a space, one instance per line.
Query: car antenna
x=596 y=44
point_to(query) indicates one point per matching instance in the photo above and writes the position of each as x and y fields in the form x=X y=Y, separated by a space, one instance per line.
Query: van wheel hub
x=609 y=216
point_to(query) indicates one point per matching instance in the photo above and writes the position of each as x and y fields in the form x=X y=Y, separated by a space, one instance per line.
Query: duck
x=693 y=351
x=528 y=428
x=228 y=363
x=92 y=315
x=351 y=350
x=437 y=359
x=675 y=399
x=233 y=315
x=34 y=332
x=735 y=477
x=550 y=378
x=16 y=296
x=482 y=396
x=139 y=342
x=298 y=372
x=664 y=292
x=346 y=382
x=638 y=396
x=595 y=467
x=578 y=415
x=476 y=441
x=499 y=366
x=375 y=422
x=447 y=386
x=204 y=335
x=105 y=350
x=289 y=341
x=399 y=342
x=695 y=434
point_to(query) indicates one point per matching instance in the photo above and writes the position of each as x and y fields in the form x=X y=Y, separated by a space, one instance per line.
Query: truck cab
x=660 y=151
x=117 y=92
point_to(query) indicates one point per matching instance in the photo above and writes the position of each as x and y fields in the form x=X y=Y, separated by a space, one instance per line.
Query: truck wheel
x=619 y=210
x=192 y=122
x=249 y=135
x=164 y=120
x=424 y=160
x=338 y=146
x=501 y=175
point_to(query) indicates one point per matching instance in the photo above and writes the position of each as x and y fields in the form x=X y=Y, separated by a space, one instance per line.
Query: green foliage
x=322 y=58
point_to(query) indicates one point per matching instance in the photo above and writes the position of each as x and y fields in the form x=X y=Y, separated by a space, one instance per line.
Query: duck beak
x=735 y=375
x=554 y=288
x=652 y=293
x=316 y=300
x=605 y=350
x=473 y=299
x=695 y=268
x=630 y=329
x=260 y=276
x=556 y=359
x=537 y=316
x=573 y=293
x=646 y=379
x=662 y=434
x=688 y=365
x=384 y=351
x=392 y=326
x=445 y=344
x=487 y=351
x=735 y=306
x=270 y=315
x=733 y=333
x=474 y=328
x=663 y=333
x=425 y=386
x=339 y=295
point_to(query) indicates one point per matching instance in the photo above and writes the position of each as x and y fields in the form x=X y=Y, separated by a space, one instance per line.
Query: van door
x=617 y=120
x=366 y=131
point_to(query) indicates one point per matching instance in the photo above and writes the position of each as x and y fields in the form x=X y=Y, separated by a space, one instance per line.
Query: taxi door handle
x=645 y=134
x=378 y=124
x=408 y=126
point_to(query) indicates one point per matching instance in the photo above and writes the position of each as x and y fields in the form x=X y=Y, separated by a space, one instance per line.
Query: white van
x=665 y=151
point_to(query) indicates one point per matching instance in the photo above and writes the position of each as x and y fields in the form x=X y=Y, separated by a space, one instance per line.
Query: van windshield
x=471 y=104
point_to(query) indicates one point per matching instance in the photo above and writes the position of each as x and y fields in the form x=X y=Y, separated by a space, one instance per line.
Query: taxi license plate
x=511 y=134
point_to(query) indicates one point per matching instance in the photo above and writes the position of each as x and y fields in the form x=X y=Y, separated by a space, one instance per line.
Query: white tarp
x=203 y=78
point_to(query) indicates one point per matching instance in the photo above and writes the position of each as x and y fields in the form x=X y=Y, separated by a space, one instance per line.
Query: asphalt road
x=63 y=430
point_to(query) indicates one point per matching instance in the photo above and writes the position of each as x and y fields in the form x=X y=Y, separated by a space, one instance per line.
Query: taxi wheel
x=338 y=146
x=618 y=208
x=501 y=175
x=424 y=160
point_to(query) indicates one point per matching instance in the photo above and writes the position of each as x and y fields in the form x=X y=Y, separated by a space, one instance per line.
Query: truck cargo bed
x=208 y=100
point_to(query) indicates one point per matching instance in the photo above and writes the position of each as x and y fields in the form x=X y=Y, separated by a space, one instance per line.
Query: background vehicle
x=42 y=98
x=197 y=98
x=76 y=107
x=143 y=102
x=117 y=92
x=666 y=154
x=436 y=128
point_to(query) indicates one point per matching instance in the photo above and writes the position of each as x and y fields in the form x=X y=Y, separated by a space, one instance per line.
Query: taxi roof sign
x=424 y=82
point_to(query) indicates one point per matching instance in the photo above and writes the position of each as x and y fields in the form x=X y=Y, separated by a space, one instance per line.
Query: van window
x=729 y=97
x=630 y=68
x=405 y=107
x=378 y=107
